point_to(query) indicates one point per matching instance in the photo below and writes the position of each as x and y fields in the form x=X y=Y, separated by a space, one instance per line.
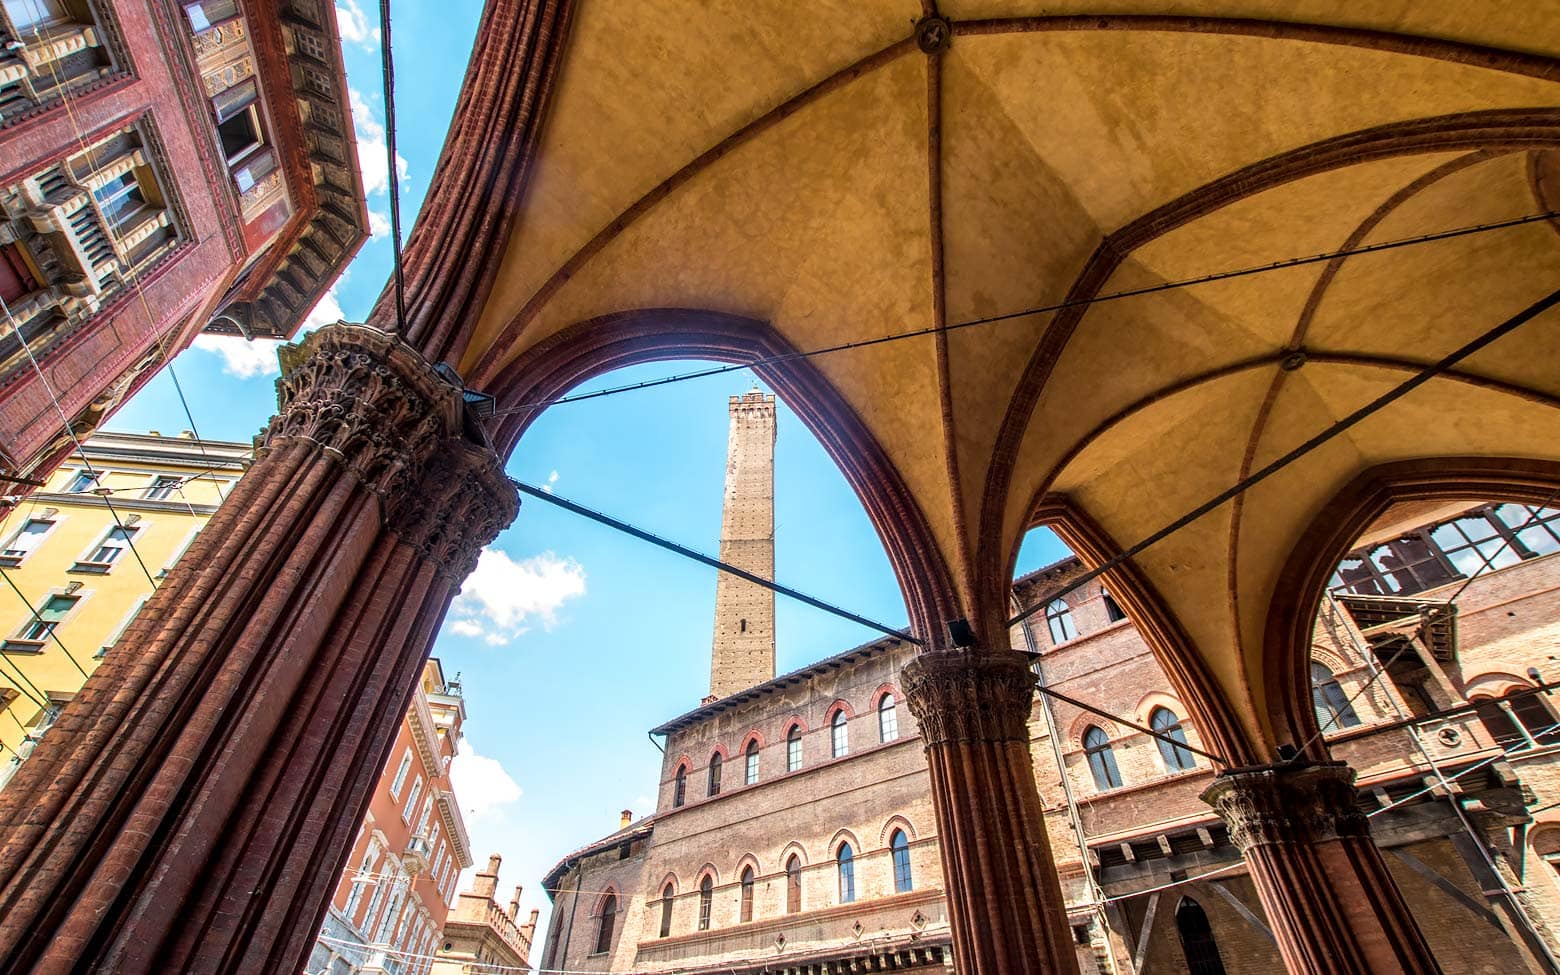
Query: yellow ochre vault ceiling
x=804 y=164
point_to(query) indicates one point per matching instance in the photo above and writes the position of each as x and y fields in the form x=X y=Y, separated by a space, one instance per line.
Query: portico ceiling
x=808 y=166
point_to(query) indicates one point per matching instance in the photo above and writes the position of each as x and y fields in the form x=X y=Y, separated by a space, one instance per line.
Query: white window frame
x=14 y=560
x=401 y=773
x=124 y=624
x=87 y=563
x=411 y=799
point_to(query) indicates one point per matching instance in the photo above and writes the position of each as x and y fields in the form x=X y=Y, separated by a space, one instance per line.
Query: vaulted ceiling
x=808 y=166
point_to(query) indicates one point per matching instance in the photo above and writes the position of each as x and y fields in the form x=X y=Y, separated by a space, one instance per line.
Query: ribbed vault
x=807 y=168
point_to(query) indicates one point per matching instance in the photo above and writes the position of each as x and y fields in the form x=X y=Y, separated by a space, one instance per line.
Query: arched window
x=715 y=763
x=680 y=787
x=667 y=895
x=1516 y=722
x=900 y=845
x=1059 y=618
x=888 y=719
x=1112 y=610
x=1176 y=758
x=747 y=894
x=1202 y=952
x=793 y=884
x=750 y=764
x=793 y=749
x=608 y=919
x=1102 y=759
x=847 y=874
x=839 y=737
x=706 y=901
x=1333 y=710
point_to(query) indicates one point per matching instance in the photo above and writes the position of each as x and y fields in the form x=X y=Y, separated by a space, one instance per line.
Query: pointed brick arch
x=1332 y=534
x=599 y=345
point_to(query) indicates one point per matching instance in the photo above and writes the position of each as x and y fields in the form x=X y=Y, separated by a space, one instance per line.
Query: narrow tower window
x=747 y=895
x=1102 y=759
x=706 y=901
x=793 y=885
x=608 y=919
x=839 y=737
x=793 y=749
x=847 y=860
x=750 y=763
x=888 y=719
x=716 y=761
x=900 y=845
x=680 y=787
x=667 y=895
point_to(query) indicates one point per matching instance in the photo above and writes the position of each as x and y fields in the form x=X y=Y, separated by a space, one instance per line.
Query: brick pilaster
x=1333 y=906
x=191 y=809
x=1004 y=899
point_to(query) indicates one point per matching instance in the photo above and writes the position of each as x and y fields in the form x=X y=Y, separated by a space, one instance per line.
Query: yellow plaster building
x=80 y=556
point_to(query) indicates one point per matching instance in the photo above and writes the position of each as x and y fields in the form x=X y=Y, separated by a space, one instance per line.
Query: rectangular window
x=238 y=122
x=52 y=613
x=162 y=486
x=113 y=546
x=793 y=752
x=206 y=13
x=411 y=799
x=27 y=539
x=81 y=482
x=122 y=202
x=400 y=774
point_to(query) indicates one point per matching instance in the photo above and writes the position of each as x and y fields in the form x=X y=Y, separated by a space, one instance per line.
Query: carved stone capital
x=962 y=695
x=1287 y=804
x=370 y=400
x=464 y=501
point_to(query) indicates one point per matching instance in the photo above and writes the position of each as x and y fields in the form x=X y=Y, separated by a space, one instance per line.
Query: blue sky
x=571 y=640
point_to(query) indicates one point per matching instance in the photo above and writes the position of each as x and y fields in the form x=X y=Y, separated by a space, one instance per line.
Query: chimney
x=514 y=903
x=528 y=929
x=624 y=818
x=486 y=883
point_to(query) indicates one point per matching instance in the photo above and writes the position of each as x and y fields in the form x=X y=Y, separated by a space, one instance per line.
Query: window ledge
x=91 y=568
x=18 y=645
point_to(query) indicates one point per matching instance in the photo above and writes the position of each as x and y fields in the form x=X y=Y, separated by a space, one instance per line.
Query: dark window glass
x=1112 y=611
x=1059 y=618
x=608 y=919
x=706 y=901
x=747 y=894
x=1202 y=952
x=1102 y=759
x=900 y=845
x=793 y=749
x=715 y=764
x=680 y=787
x=793 y=885
x=1176 y=758
x=1333 y=710
x=666 y=910
x=847 y=874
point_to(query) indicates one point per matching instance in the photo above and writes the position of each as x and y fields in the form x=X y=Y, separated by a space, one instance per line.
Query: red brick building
x=388 y=912
x=165 y=168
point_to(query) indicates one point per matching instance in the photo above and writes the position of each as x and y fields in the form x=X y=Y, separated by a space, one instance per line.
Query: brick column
x=192 y=808
x=1329 y=898
x=1004 y=899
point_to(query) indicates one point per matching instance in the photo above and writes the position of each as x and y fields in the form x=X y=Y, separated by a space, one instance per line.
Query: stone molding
x=1287 y=804
x=962 y=695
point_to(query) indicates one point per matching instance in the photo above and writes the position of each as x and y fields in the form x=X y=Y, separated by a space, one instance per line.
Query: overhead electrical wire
x=1390 y=396
x=1036 y=310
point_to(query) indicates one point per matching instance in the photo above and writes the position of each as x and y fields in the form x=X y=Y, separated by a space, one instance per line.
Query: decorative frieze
x=962 y=695
x=1287 y=804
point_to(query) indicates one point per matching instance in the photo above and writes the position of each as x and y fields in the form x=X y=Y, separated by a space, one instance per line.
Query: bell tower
x=744 y=644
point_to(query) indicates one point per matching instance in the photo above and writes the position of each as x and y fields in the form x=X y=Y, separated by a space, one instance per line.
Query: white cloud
x=372 y=158
x=378 y=224
x=482 y=786
x=551 y=480
x=244 y=359
x=503 y=596
x=355 y=26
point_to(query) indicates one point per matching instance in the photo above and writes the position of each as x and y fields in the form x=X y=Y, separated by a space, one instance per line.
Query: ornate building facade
x=481 y=935
x=389 y=911
x=793 y=830
x=83 y=553
x=164 y=169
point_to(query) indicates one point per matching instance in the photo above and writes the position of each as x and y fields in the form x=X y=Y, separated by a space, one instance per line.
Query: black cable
x=642 y=535
x=1505 y=543
x=1390 y=396
x=199 y=440
x=1130 y=724
x=1037 y=310
x=387 y=64
x=39 y=618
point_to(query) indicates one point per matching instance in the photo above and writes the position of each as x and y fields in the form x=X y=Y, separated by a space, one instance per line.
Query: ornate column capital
x=962 y=695
x=368 y=399
x=464 y=501
x=1287 y=804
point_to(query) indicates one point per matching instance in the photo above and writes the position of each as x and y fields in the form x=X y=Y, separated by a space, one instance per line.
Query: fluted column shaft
x=1332 y=904
x=1004 y=899
x=192 y=808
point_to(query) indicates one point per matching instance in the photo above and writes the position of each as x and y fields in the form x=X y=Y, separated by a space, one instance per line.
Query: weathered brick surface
x=744 y=641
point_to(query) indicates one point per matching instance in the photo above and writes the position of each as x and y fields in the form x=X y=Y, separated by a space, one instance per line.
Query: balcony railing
x=417 y=854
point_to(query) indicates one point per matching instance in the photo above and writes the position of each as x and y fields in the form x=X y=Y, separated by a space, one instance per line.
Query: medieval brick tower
x=744 y=645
